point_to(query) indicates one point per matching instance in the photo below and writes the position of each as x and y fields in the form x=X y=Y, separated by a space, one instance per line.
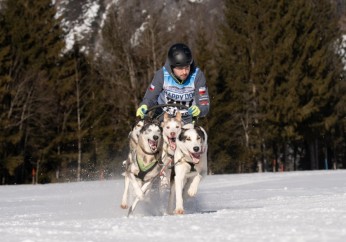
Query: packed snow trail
x=289 y=206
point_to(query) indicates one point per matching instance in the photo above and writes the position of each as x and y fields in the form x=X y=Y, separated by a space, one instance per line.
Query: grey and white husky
x=144 y=161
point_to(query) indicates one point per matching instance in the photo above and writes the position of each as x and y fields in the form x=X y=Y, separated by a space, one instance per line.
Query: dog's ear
x=165 y=117
x=157 y=122
x=178 y=116
x=188 y=126
x=182 y=136
x=146 y=121
x=200 y=132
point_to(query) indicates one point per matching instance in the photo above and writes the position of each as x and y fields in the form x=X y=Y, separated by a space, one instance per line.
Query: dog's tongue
x=153 y=144
x=172 y=144
x=195 y=157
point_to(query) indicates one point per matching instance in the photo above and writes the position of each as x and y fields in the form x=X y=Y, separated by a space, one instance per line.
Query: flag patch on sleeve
x=152 y=87
x=202 y=91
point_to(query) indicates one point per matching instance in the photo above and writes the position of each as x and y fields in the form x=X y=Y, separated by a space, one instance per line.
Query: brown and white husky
x=171 y=128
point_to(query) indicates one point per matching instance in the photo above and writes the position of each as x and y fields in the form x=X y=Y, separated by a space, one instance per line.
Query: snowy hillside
x=292 y=206
x=83 y=19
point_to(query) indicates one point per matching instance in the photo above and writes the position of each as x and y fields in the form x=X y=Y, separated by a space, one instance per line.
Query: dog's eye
x=177 y=127
x=188 y=139
x=167 y=127
x=198 y=138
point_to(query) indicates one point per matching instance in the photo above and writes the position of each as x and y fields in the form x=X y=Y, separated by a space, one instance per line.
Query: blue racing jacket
x=166 y=89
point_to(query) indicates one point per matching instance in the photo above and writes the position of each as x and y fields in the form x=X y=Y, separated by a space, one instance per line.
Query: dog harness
x=192 y=165
x=144 y=169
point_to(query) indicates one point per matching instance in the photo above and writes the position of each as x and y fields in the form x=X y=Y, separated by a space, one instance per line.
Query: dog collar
x=148 y=153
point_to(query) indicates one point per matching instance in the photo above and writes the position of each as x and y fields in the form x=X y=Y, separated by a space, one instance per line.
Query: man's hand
x=141 y=111
x=194 y=111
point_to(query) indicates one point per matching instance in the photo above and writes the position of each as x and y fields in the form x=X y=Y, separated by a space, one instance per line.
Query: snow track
x=291 y=206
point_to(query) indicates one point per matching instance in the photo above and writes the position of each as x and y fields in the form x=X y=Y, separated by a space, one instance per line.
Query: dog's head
x=193 y=141
x=171 y=129
x=150 y=137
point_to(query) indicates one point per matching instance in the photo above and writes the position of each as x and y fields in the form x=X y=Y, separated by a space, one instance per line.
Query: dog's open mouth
x=195 y=157
x=152 y=145
x=172 y=143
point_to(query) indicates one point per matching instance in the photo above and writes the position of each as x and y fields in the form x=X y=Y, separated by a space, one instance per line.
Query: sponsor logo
x=179 y=96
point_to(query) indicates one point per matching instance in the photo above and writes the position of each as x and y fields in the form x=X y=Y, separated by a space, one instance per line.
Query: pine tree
x=5 y=82
x=36 y=43
x=236 y=107
x=300 y=94
x=278 y=74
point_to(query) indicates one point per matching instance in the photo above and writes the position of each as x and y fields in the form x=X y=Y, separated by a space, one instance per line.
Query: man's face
x=182 y=72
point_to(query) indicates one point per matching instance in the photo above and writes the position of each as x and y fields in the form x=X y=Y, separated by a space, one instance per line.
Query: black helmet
x=179 y=55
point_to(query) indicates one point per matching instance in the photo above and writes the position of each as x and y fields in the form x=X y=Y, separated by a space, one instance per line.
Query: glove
x=141 y=111
x=194 y=110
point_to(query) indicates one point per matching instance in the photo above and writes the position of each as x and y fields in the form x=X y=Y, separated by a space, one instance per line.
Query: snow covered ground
x=290 y=206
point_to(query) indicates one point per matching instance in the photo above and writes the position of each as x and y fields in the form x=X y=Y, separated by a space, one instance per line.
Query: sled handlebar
x=195 y=119
x=167 y=105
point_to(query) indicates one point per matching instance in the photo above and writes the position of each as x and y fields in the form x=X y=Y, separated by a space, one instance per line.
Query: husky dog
x=144 y=161
x=171 y=129
x=190 y=165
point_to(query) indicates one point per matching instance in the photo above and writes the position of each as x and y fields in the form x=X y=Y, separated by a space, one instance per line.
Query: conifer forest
x=275 y=73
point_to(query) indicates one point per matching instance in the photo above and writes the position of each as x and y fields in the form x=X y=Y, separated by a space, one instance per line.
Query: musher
x=179 y=81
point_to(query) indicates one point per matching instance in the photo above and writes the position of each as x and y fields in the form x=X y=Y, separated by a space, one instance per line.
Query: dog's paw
x=124 y=206
x=179 y=211
x=192 y=191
